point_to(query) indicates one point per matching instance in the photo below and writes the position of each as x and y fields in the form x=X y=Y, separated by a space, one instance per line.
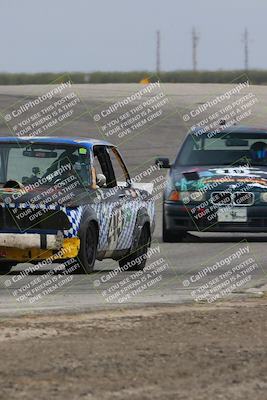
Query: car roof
x=236 y=128
x=87 y=142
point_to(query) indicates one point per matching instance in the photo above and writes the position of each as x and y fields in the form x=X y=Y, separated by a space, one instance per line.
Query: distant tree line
x=256 y=77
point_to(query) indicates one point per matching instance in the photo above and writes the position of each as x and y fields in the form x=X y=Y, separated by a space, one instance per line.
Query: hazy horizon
x=90 y=35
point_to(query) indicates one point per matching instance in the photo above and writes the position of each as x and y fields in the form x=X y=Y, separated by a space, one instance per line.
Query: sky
x=120 y=35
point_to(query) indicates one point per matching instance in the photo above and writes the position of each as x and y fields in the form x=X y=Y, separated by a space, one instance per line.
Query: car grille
x=235 y=199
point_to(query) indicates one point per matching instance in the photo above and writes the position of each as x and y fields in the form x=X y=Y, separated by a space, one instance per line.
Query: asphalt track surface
x=181 y=260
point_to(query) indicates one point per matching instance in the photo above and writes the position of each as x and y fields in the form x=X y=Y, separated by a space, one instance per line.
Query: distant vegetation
x=257 y=77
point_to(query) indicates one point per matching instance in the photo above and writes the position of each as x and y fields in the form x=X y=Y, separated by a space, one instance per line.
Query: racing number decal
x=115 y=227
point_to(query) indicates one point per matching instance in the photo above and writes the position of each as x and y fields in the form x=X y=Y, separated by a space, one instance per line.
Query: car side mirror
x=101 y=180
x=163 y=162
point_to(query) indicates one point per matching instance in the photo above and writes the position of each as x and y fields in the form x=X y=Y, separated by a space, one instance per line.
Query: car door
x=124 y=215
x=115 y=209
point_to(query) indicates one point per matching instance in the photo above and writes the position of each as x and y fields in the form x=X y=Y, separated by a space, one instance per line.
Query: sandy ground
x=168 y=352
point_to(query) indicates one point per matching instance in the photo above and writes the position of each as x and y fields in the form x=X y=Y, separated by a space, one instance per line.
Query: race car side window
x=103 y=165
x=120 y=171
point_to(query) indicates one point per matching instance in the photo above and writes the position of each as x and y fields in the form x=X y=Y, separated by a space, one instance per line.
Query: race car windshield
x=43 y=164
x=235 y=148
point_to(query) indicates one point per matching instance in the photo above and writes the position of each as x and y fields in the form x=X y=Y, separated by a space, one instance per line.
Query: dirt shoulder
x=168 y=352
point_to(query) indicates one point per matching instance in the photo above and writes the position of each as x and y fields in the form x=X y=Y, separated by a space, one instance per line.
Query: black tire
x=5 y=267
x=169 y=236
x=88 y=248
x=140 y=252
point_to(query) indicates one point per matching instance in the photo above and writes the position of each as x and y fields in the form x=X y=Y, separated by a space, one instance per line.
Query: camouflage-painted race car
x=70 y=198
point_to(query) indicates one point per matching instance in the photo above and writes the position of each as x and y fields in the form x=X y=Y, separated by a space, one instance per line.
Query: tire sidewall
x=89 y=227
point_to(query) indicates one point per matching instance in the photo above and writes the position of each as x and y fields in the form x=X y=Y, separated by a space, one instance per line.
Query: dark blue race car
x=66 y=199
x=217 y=183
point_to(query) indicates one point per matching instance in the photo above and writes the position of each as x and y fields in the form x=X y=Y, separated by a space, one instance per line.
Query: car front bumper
x=33 y=247
x=179 y=217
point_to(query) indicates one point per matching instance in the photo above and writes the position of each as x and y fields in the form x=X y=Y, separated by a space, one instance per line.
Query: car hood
x=220 y=178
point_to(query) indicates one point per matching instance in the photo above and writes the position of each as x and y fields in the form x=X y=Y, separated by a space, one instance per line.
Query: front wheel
x=88 y=248
x=136 y=260
x=5 y=267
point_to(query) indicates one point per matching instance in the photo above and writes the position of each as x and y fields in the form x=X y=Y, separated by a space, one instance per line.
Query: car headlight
x=263 y=197
x=197 y=196
x=187 y=197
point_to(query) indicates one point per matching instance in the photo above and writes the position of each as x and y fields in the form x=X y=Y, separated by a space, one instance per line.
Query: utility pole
x=245 y=41
x=195 y=40
x=158 y=52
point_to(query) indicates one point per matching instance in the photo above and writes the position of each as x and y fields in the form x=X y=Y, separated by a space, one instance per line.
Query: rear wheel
x=5 y=267
x=88 y=248
x=136 y=260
